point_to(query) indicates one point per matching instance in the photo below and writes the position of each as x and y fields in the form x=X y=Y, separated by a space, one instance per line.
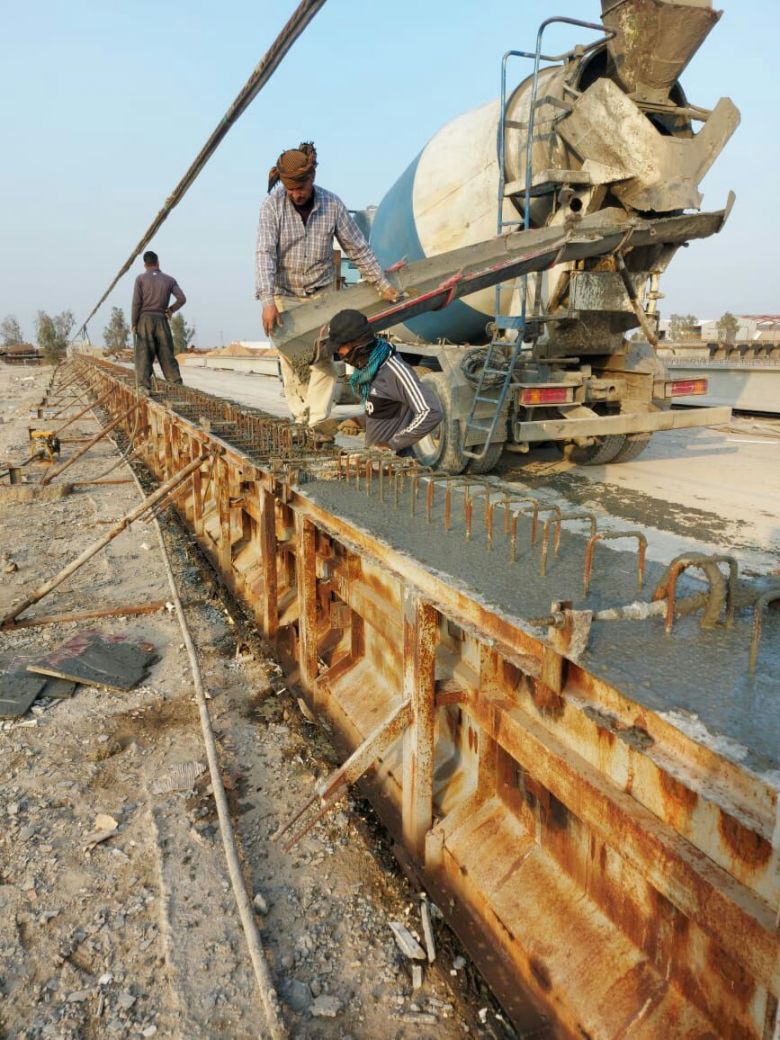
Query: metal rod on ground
x=265 y=985
x=298 y=21
x=97 y=483
x=109 y=536
x=88 y=615
x=48 y=477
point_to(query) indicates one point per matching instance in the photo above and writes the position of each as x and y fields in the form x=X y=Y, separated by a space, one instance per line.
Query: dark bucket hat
x=346 y=327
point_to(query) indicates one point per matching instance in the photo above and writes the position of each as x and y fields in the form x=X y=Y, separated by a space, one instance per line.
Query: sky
x=105 y=105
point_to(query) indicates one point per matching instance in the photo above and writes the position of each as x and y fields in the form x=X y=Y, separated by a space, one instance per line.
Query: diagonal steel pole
x=52 y=473
x=95 y=548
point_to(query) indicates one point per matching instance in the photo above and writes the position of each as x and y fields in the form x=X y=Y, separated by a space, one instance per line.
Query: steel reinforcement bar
x=610 y=875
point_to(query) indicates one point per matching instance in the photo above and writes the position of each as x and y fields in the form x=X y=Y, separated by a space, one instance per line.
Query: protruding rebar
x=560 y=520
x=602 y=536
x=718 y=591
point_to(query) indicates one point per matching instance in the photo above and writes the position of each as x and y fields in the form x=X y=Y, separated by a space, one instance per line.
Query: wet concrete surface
x=698 y=489
x=700 y=674
x=705 y=490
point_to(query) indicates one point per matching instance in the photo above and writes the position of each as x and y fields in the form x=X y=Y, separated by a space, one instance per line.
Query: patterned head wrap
x=294 y=166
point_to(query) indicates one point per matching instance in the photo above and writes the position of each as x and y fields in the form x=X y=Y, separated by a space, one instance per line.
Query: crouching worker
x=399 y=410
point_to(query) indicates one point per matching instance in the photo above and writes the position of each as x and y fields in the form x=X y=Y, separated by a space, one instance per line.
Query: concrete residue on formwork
x=696 y=672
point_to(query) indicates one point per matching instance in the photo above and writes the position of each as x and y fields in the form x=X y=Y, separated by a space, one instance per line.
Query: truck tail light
x=686 y=387
x=531 y=395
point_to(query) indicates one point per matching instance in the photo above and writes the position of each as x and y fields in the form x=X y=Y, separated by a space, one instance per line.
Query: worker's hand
x=271 y=318
x=168 y=315
x=351 y=427
x=390 y=294
x=132 y=329
x=383 y=447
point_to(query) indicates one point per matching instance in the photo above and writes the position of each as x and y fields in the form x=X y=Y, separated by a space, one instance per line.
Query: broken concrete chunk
x=430 y=947
x=104 y=827
x=417 y=976
x=407 y=943
x=325 y=1007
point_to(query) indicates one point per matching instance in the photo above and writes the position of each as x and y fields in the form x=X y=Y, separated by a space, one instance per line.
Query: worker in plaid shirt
x=298 y=223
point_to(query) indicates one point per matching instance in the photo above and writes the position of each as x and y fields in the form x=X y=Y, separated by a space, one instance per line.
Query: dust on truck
x=528 y=239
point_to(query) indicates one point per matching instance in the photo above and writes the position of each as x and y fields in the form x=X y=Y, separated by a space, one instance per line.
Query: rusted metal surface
x=719 y=592
x=89 y=615
x=601 y=863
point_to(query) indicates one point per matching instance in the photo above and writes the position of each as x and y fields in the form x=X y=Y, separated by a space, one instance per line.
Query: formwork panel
x=623 y=873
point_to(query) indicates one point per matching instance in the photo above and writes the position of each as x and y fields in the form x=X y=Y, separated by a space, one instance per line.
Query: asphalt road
x=714 y=490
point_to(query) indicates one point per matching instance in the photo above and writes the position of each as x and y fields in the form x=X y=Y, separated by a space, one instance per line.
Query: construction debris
x=406 y=942
x=96 y=659
x=425 y=914
x=104 y=827
x=20 y=688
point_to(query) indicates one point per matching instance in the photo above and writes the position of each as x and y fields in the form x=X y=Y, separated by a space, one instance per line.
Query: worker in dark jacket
x=149 y=319
x=399 y=409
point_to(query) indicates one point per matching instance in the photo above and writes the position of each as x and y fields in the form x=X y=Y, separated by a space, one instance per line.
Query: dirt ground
x=139 y=937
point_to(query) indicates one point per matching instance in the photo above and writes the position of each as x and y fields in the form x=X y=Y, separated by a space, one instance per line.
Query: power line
x=300 y=18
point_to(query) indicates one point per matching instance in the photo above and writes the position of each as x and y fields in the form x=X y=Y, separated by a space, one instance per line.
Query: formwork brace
x=362 y=758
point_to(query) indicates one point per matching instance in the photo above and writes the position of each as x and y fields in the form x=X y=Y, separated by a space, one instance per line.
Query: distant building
x=764 y=328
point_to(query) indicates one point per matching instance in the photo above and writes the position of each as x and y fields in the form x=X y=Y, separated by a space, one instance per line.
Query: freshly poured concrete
x=692 y=490
x=701 y=674
x=706 y=490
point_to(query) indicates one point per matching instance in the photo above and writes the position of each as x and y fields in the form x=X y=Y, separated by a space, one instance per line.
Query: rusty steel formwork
x=610 y=875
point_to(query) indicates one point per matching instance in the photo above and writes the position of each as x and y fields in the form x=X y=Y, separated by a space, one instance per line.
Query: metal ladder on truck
x=502 y=355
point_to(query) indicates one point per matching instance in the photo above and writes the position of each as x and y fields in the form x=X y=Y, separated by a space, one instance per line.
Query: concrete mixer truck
x=529 y=237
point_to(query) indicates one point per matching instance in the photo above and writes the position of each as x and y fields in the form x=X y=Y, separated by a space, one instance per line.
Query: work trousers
x=153 y=341
x=309 y=395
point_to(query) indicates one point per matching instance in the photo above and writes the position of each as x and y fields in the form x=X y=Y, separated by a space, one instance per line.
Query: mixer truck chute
x=594 y=157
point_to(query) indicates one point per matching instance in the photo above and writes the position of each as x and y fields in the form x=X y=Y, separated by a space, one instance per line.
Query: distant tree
x=11 y=331
x=183 y=334
x=53 y=333
x=683 y=326
x=116 y=334
x=727 y=327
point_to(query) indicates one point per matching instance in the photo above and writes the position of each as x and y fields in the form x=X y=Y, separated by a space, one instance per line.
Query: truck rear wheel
x=442 y=448
x=634 y=446
x=603 y=450
x=491 y=457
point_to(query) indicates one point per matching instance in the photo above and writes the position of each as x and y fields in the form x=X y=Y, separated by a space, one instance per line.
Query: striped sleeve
x=426 y=411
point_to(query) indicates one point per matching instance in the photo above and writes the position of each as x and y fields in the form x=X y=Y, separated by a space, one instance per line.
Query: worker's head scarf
x=368 y=359
x=294 y=166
